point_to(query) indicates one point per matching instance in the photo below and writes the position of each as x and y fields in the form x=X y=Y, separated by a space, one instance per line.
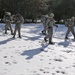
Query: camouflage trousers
x=17 y=28
x=45 y=28
x=8 y=25
x=50 y=33
x=70 y=29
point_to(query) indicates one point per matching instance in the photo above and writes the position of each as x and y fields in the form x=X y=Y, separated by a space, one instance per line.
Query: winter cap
x=51 y=15
x=46 y=15
x=73 y=17
x=7 y=13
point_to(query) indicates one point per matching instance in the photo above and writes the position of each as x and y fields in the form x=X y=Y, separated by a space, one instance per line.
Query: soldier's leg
x=72 y=30
x=44 y=31
x=6 y=27
x=68 y=31
x=19 y=31
x=45 y=28
x=50 y=36
x=11 y=28
x=47 y=36
x=49 y=31
x=15 y=31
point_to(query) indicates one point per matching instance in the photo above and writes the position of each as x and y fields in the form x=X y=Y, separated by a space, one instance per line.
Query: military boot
x=5 y=32
x=66 y=37
x=50 y=42
x=20 y=37
x=43 y=32
x=12 y=33
x=45 y=39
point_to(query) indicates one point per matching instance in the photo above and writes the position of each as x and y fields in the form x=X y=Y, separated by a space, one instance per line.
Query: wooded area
x=33 y=9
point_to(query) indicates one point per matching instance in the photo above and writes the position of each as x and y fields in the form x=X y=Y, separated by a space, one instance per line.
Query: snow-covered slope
x=26 y=56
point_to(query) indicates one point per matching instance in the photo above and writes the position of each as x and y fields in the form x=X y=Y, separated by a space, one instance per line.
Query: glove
x=56 y=26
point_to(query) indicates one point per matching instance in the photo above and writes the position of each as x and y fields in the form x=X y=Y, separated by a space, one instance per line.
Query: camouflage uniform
x=7 y=20
x=50 y=23
x=18 y=21
x=69 y=23
x=43 y=20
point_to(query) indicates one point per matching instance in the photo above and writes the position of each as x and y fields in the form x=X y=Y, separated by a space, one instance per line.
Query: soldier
x=13 y=19
x=18 y=21
x=43 y=20
x=7 y=20
x=50 y=23
x=69 y=23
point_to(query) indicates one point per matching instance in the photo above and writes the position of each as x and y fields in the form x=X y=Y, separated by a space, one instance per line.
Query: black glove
x=56 y=25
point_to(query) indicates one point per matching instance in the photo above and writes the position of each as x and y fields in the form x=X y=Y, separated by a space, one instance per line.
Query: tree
x=31 y=9
x=62 y=8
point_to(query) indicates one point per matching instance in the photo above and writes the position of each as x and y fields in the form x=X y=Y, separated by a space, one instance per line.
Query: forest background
x=33 y=9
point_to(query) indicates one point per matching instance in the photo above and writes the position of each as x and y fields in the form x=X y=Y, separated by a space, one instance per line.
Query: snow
x=31 y=56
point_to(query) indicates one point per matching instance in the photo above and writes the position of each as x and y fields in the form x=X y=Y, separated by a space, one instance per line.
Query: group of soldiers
x=16 y=19
x=48 y=23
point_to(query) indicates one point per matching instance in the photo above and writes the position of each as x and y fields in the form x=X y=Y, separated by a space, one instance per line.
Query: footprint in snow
x=63 y=56
x=73 y=66
x=48 y=56
x=63 y=72
x=53 y=67
x=46 y=72
x=41 y=69
x=50 y=59
x=57 y=71
x=11 y=56
x=41 y=55
x=47 y=68
x=4 y=47
x=14 y=62
x=68 y=51
x=49 y=63
x=28 y=62
x=34 y=71
x=9 y=47
x=36 y=74
x=0 y=50
x=8 y=63
x=21 y=74
x=41 y=59
x=19 y=46
x=60 y=60
x=5 y=56
x=24 y=46
x=59 y=67
x=53 y=73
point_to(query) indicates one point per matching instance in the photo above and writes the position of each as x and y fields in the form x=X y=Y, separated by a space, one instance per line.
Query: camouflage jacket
x=44 y=18
x=69 y=23
x=19 y=19
x=7 y=18
x=50 y=22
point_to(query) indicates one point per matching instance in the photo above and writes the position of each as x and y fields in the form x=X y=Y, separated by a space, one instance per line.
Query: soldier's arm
x=55 y=24
x=22 y=20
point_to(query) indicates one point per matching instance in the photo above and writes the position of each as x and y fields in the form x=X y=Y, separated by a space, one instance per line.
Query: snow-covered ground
x=26 y=56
